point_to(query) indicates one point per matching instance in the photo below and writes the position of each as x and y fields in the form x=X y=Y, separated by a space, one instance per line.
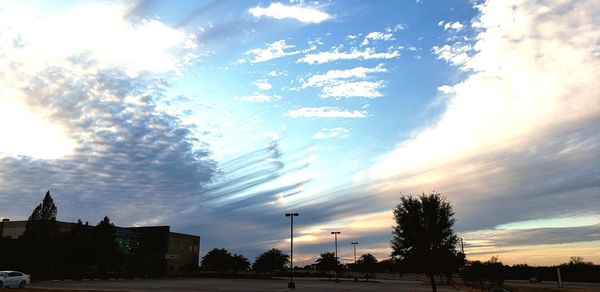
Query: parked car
x=13 y=279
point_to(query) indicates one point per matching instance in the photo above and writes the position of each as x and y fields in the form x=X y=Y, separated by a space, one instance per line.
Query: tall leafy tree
x=41 y=237
x=271 y=260
x=367 y=263
x=42 y=225
x=78 y=243
x=218 y=259
x=104 y=244
x=327 y=262
x=423 y=233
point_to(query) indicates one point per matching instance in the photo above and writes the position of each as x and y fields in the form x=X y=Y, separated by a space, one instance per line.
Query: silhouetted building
x=148 y=251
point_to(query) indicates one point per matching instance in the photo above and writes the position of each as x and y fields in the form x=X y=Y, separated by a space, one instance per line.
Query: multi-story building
x=151 y=251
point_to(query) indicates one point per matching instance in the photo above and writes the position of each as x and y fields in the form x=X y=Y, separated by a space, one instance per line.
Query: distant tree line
x=46 y=252
x=493 y=272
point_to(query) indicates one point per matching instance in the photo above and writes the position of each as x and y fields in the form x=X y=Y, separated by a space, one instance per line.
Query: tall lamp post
x=291 y=284
x=335 y=233
x=354 y=245
x=2 y=227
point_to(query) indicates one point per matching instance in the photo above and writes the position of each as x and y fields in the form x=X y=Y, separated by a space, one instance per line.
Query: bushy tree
x=367 y=263
x=218 y=259
x=239 y=263
x=423 y=233
x=327 y=262
x=271 y=260
x=104 y=245
x=78 y=244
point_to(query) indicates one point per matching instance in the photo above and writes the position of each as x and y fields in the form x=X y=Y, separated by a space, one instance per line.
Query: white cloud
x=346 y=83
x=259 y=97
x=263 y=84
x=106 y=36
x=456 y=26
x=522 y=117
x=102 y=39
x=445 y=89
x=334 y=75
x=271 y=51
x=282 y=11
x=377 y=36
x=326 y=133
x=325 y=112
x=368 y=89
x=277 y=73
x=397 y=27
x=456 y=54
x=335 y=54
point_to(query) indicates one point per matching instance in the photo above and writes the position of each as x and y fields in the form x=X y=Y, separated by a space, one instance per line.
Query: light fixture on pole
x=291 y=284
x=2 y=227
x=335 y=233
x=354 y=245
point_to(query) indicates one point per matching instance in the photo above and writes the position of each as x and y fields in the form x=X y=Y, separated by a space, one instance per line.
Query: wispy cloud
x=263 y=84
x=355 y=54
x=455 y=26
x=326 y=112
x=326 y=133
x=346 y=83
x=259 y=97
x=377 y=36
x=456 y=54
x=272 y=51
x=282 y=11
x=368 y=89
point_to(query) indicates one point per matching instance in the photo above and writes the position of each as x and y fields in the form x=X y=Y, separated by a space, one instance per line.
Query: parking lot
x=206 y=284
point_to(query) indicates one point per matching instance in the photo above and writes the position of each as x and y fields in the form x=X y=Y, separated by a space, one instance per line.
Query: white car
x=13 y=279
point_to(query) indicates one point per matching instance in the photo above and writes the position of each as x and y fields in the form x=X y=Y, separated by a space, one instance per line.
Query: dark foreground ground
x=280 y=284
x=205 y=284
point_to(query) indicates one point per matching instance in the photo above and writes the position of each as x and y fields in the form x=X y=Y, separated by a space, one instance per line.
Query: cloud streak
x=282 y=11
x=326 y=112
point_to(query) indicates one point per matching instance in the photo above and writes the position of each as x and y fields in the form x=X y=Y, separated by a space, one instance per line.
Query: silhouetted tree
x=218 y=259
x=40 y=239
x=78 y=244
x=41 y=225
x=239 y=263
x=366 y=263
x=327 y=262
x=423 y=233
x=104 y=245
x=271 y=260
x=392 y=265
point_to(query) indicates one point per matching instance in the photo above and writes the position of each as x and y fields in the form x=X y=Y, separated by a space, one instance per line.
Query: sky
x=218 y=117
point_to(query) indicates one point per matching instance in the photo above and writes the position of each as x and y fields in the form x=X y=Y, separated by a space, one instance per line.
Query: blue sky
x=217 y=117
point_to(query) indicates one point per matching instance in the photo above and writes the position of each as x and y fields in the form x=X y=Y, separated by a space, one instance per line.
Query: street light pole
x=335 y=233
x=354 y=245
x=2 y=227
x=291 y=284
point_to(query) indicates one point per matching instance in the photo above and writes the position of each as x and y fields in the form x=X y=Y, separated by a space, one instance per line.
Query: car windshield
x=3 y=273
